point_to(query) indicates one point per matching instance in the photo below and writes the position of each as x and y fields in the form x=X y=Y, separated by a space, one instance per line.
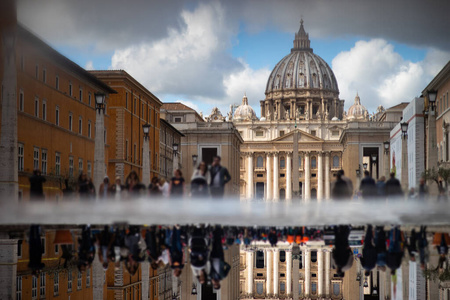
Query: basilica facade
x=298 y=136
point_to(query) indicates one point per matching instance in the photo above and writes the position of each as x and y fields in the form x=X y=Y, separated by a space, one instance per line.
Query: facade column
x=405 y=169
x=320 y=177
x=146 y=161
x=276 y=258
x=276 y=190
x=97 y=277
x=145 y=275
x=327 y=272
x=289 y=176
x=307 y=177
x=269 y=264
x=288 y=272
x=250 y=186
x=269 y=192
x=307 y=272
x=8 y=268
x=327 y=175
x=320 y=272
x=250 y=272
x=99 y=149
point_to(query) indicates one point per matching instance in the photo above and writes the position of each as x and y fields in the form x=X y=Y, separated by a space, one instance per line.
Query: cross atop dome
x=301 y=41
x=245 y=99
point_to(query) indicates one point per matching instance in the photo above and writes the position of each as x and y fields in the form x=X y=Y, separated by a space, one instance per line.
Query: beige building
x=205 y=138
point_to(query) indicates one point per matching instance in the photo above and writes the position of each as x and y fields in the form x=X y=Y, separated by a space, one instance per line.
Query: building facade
x=129 y=109
x=169 y=159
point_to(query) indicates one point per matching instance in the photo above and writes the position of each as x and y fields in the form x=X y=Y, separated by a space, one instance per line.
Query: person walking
x=395 y=250
x=104 y=190
x=85 y=189
x=423 y=189
x=340 y=190
x=133 y=184
x=36 y=185
x=200 y=181
x=176 y=187
x=369 y=253
x=381 y=187
x=153 y=188
x=368 y=187
x=219 y=177
x=393 y=187
x=164 y=188
x=342 y=254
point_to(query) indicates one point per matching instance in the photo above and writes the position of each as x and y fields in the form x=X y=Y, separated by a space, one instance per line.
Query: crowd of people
x=205 y=182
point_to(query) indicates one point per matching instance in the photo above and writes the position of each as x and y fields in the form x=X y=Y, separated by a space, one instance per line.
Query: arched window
x=335 y=161
x=282 y=256
x=300 y=162
x=242 y=162
x=313 y=162
x=282 y=163
x=259 y=259
x=259 y=162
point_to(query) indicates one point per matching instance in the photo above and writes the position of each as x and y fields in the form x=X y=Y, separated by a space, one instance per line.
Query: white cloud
x=381 y=76
x=89 y=65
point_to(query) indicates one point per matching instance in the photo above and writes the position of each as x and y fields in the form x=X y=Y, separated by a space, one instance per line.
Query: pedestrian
x=200 y=181
x=340 y=190
x=219 y=177
x=393 y=187
x=176 y=251
x=134 y=249
x=105 y=240
x=381 y=187
x=368 y=187
x=176 y=187
x=104 y=190
x=164 y=188
x=423 y=189
x=199 y=254
x=84 y=187
x=369 y=253
x=442 y=193
x=153 y=187
x=422 y=243
x=133 y=184
x=35 y=250
x=346 y=179
x=442 y=249
x=219 y=267
x=86 y=249
x=36 y=185
x=380 y=244
x=342 y=253
x=395 y=250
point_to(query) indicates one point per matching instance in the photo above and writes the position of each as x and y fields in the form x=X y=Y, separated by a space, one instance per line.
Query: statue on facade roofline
x=286 y=114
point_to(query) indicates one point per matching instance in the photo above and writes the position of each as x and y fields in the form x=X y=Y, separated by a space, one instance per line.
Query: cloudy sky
x=209 y=53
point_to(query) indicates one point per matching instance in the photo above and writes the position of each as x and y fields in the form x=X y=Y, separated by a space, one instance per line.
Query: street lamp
x=175 y=149
x=194 y=289
x=404 y=127
x=374 y=158
x=365 y=166
x=194 y=159
x=432 y=98
x=146 y=129
x=100 y=101
x=386 y=147
x=365 y=283
x=358 y=172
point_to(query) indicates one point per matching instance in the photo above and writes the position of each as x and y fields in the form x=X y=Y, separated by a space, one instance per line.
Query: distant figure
x=423 y=189
x=176 y=187
x=35 y=250
x=381 y=187
x=340 y=190
x=442 y=193
x=36 y=182
x=342 y=253
x=219 y=268
x=380 y=244
x=85 y=188
x=395 y=249
x=67 y=191
x=369 y=253
x=368 y=187
x=153 y=187
x=200 y=181
x=104 y=190
x=133 y=184
x=393 y=187
x=219 y=177
x=164 y=188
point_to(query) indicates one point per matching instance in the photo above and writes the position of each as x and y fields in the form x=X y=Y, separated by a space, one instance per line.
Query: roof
x=171 y=127
x=176 y=106
x=104 y=74
x=399 y=106
x=61 y=59
x=438 y=80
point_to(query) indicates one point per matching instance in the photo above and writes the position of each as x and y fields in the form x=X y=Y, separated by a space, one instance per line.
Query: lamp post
x=146 y=154
x=194 y=159
x=431 y=159
x=175 y=156
x=365 y=166
x=374 y=167
x=387 y=158
x=99 y=148
x=404 y=171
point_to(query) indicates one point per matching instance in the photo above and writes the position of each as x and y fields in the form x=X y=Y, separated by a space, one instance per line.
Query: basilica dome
x=357 y=110
x=302 y=69
x=244 y=112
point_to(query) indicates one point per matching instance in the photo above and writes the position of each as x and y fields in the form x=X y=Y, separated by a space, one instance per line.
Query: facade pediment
x=302 y=137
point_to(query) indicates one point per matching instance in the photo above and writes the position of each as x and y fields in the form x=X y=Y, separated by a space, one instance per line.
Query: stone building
x=169 y=159
x=53 y=104
x=205 y=138
x=129 y=109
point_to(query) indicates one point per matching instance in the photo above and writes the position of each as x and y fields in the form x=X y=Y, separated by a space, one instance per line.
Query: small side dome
x=357 y=110
x=244 y=112
x=335 y=119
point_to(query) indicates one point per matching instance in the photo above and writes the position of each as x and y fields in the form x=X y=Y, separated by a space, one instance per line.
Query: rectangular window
x=281 y=132
x=33 y=287
x=134 y=153
x=44 y=110
x=37 y=72
x=69 y=281
x=57 y=82
x=81 y=95
x=44 y=75
x=70 y=89
x=19 y=248
x=20 y=156
x=19 y=288
x=259 y=133
x=134 y=107
x=80 y=125
x=70 y=166
x=70 y=121
x=56 y=249
x=79 y=281
x=104 y=136
x=313 y=132
x=42 y=286
x=89 y=169
x=44 y=162
x=35 y=158
x=56 y=284
x=178 y=120
x=90 y=99
x=21 y=101
x=126 y=100
x=57 y=115
x=126 y=150
x=89 y=129
x=88 y=278
x=282 y=287
x=80 y=165
x=36 y=107
x=57 y=163
x=142 y=110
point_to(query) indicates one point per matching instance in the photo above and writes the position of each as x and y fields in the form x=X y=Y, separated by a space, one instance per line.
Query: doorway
x=259 y=193
x=208 y=155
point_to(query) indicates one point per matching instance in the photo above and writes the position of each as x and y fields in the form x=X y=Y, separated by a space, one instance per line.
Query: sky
x=210 y=53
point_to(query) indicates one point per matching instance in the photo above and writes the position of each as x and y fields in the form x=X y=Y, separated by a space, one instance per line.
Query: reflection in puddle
x=122 y=261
